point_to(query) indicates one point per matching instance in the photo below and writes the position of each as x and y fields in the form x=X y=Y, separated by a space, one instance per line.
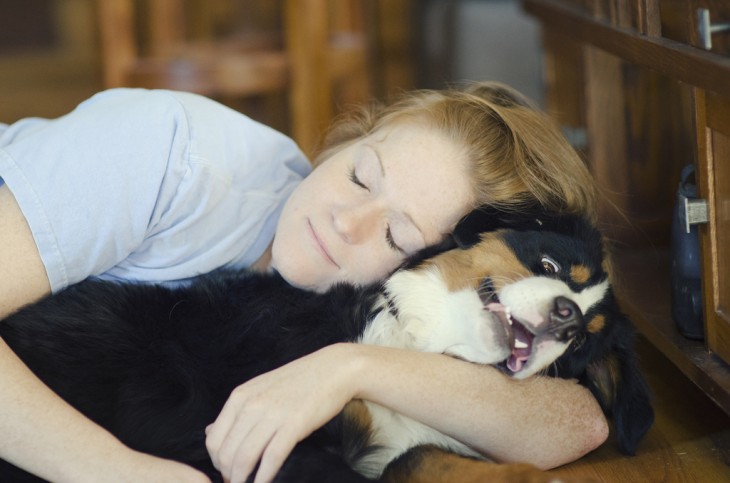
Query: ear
x=488 y=218
x=619 y=386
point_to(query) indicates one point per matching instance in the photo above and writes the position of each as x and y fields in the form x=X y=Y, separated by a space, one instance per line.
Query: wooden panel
x=679 y=21
x=718 y=113
x=605 y=122
x=312 y=106
x=564 y=79
x=713 y=155
x=674 y=59
x=640 y=135
x=643 y=285
x=718 y=309
x=719 y=14
x=659 y=142
x=675 y=23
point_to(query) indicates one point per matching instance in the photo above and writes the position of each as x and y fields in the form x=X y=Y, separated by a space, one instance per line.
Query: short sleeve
x=148 y=185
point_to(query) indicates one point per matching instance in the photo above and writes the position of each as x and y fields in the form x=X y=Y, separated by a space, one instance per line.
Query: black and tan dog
x=154 y=365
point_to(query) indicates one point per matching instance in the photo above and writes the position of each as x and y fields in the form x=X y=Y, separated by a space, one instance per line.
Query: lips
x=321 y=247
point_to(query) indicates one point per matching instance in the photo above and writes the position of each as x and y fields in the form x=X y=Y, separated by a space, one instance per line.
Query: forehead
x=426 y=175
x=507 y=256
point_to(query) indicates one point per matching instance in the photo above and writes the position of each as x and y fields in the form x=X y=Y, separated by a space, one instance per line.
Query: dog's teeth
x=520 y=345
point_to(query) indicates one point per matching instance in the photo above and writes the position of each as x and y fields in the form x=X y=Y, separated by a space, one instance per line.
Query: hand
x=267 y=416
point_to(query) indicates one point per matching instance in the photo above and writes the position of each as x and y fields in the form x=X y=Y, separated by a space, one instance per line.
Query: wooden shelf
x=644 y=288
x=683 y=62
x=611 y=70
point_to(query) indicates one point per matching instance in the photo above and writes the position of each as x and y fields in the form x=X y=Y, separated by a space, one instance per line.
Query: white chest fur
x=429 y=319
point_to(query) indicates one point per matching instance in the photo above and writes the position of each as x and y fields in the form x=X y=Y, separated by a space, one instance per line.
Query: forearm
x=47 y=437
x=544 y=421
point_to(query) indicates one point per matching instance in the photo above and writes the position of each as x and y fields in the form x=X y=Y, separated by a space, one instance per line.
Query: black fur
x=155 y=365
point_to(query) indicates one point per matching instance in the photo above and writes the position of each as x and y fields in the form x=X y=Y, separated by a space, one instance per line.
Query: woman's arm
x=22 y=275
x=40 y=432
x=543 y=421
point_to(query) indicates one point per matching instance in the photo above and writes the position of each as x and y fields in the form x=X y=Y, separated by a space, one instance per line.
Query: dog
x=154 y=365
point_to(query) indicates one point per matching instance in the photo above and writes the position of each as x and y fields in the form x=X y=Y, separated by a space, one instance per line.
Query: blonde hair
x=517 y=155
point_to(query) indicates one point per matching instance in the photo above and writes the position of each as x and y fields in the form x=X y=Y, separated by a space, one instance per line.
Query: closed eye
x=391 y=242
x=353 y=177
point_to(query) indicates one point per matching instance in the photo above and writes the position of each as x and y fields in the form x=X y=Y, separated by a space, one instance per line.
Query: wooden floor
x=689 y=442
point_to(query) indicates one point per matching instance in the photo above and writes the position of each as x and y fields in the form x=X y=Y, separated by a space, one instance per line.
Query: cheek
x=299 y=271
x=291 y=258
x=372 y=265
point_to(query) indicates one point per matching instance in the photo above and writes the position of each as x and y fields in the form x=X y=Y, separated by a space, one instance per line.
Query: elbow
x=592 y=431
x=597 y=434
x=591 y=434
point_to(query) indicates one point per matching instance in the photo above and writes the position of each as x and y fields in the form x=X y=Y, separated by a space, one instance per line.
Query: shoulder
x=190 y=131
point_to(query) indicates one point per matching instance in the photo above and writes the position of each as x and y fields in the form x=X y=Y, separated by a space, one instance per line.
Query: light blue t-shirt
x=152 y=186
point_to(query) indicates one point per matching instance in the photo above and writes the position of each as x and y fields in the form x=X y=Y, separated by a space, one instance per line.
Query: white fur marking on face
x=536 y=295
x=590 y=296
x=433 y=319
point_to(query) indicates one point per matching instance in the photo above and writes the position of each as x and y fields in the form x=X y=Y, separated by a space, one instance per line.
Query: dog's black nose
x=566 y=319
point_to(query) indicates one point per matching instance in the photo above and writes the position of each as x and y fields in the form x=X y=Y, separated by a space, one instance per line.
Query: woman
x=159 y=187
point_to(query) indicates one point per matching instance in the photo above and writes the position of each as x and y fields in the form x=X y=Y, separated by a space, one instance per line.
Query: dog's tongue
x=522 y=338
x=520 y=354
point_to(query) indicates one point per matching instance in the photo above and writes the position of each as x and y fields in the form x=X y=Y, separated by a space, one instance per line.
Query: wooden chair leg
x=307 y=38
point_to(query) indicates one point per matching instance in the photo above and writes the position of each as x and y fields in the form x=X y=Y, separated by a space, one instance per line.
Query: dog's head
x=532 y=295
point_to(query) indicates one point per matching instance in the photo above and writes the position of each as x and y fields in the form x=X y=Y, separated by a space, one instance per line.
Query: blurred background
x=292 y=64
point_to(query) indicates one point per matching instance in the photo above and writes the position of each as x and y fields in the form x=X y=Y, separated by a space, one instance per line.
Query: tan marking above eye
x=491 y=257
x=596 y=324
x=580 y=273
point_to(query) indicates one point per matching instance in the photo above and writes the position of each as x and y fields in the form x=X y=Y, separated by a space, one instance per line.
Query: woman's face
x=360 y=213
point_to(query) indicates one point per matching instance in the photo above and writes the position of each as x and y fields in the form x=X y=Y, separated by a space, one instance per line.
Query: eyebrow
x=382 y=173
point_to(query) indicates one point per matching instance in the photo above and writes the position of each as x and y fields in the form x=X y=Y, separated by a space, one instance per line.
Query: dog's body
x=155 y=365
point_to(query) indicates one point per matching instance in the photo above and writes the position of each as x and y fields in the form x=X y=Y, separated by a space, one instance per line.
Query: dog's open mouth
x=521 y=338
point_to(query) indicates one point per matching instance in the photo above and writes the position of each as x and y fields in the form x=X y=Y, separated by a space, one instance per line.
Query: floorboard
x=689 y=442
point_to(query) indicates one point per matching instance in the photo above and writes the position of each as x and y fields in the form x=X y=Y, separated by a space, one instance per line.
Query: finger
x=276 y=452
x=245 y=430
x=249 y=451
x=217 y=433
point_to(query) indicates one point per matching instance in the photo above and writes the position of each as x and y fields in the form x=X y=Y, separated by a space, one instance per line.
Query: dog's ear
x=488 y=218
x=622 y=392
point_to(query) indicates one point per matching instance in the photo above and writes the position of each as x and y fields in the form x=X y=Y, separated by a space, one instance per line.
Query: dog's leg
x=429 y=464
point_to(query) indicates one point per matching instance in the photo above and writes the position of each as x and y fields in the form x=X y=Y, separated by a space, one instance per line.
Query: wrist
x=350 y=361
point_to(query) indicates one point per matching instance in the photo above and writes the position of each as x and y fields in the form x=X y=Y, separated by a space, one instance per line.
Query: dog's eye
x=549 y=266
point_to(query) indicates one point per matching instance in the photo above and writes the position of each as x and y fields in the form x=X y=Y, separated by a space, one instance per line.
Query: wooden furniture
x=635 y=78
x=319 y=55
x=48 y=58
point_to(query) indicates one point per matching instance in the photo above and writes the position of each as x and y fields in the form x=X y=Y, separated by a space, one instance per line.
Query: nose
x=354 y=223
x=566 y=319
